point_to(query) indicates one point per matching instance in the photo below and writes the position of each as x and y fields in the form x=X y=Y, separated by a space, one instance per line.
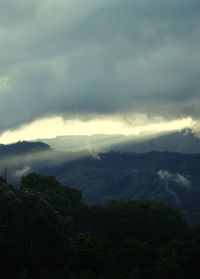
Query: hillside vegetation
x=168 y=177
x=46 y=231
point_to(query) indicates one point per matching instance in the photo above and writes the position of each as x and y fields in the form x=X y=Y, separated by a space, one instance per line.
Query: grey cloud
x=16 y=12
x=99 y=57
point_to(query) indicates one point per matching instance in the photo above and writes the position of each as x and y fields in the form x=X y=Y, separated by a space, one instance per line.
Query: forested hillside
x=172 y=178
x=46 y=231
x=169 y=177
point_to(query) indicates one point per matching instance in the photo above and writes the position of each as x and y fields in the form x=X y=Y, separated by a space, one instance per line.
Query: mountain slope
x=169 y=177
x=184 y=142
x=22 y=148
x=172 y=178
x=181 y=141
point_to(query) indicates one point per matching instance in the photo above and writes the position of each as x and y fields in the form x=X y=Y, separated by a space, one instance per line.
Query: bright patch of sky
x=55 y=126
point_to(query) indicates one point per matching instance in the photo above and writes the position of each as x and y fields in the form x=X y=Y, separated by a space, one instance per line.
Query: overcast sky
x=93 y=58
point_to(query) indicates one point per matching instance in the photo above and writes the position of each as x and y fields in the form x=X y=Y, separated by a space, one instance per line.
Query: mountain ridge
x=169 y=177
x=183 y=141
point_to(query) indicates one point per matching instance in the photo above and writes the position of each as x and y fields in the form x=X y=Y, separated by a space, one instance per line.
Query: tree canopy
x=46 y=231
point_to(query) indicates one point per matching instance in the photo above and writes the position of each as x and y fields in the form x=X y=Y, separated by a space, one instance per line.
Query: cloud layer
x=97 y=57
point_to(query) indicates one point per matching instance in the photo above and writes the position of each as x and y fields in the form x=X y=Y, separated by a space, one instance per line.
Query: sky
x=98 y=66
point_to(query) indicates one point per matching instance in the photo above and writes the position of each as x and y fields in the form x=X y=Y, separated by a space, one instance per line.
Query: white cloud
x=178 y=178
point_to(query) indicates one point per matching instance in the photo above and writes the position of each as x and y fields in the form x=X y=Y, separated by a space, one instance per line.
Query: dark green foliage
x=134 y=256
x=2 y=180
x=92 y=255
x=119 y=240
x=34 y=239
x=66 y=200
x=38 y=182
x=136 y=239
x=142 y=220
x=191 y=216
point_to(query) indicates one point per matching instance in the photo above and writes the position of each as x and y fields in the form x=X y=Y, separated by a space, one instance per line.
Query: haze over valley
x=99 y=139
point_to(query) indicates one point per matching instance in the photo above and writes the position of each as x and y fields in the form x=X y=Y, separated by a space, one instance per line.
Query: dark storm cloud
x=85 y=57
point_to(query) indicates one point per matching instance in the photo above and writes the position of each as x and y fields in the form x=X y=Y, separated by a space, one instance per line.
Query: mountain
x=100 y=142
x=172 y=178
x=17 y=157
x=169 y=177
x=183 y=141
x=22 y=148
x=180 y=141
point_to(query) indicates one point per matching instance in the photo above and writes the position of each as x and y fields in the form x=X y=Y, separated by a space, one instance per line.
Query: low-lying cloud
x=177 y=178
x=86 y=58
x=23 y=171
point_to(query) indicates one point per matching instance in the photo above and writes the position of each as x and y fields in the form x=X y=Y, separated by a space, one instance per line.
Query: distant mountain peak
x=23 y=147
x=184 y=141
